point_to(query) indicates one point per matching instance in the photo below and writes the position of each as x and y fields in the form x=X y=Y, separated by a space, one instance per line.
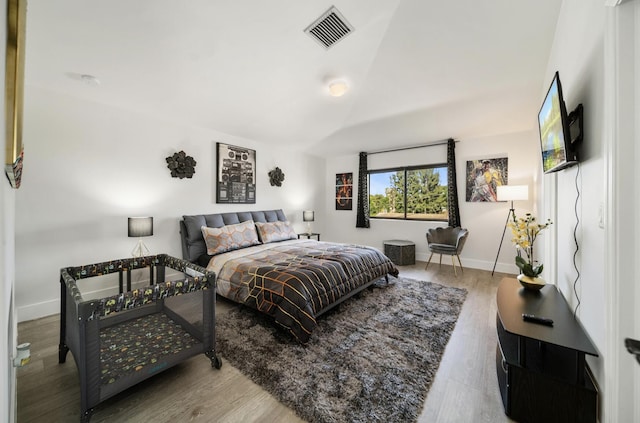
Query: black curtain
x=362 y=219
x=452 y=195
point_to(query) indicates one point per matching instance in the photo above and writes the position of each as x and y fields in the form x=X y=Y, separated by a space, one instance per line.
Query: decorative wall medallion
x=181 y=165
x=276 y=177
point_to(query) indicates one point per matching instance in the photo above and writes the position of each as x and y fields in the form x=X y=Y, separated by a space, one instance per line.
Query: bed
x=259 y=262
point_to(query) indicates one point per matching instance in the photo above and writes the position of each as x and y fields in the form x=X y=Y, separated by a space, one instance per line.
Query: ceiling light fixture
x=338 y=88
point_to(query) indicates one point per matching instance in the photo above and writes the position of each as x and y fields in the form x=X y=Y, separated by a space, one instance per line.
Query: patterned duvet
x=293 y=281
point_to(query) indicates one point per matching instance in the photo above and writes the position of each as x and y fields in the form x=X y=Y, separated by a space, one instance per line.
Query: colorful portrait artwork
x=483 y=178
x=344 y=191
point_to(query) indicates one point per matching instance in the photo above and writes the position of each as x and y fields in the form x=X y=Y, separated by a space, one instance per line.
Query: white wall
x=89 y=166
x=578 y=55
x=622 y=212
x=485 y=221
x=8 y=328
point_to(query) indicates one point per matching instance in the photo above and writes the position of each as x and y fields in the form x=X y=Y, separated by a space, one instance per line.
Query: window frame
x=405 y=169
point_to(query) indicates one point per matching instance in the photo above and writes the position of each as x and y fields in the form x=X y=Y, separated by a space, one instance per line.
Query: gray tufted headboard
x=193 y=246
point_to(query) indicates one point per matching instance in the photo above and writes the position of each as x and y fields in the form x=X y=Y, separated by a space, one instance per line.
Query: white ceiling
x=418 y=70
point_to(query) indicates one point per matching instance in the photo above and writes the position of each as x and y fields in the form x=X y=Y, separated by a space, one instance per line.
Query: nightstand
x=309 y=235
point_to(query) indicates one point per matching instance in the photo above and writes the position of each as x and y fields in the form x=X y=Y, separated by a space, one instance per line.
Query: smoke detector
x=90 y=80
x=87 y=79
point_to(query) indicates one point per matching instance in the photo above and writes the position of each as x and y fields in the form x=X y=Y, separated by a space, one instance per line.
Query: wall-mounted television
x=559 y=132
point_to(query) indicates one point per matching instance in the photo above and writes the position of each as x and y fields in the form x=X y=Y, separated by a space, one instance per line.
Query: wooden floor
x=465 y=388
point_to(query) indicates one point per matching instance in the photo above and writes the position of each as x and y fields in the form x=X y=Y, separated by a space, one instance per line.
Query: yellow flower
x=525 y=230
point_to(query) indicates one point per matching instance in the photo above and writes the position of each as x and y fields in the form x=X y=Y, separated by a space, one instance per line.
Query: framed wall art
x=14 y=90
x=235 y=174
x=344 y=191
x=483 y=178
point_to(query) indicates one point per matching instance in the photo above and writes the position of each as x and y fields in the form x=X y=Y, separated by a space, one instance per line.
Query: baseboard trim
x=509 y=268
x=38 y=310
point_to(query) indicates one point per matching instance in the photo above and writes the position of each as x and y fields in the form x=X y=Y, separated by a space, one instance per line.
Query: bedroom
x=89 y=164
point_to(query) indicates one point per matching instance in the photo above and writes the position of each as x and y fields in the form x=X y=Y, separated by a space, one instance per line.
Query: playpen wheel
x=86 y=416
x=216 y=362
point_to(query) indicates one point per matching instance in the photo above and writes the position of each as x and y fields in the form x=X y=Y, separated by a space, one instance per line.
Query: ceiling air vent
x=329 y=28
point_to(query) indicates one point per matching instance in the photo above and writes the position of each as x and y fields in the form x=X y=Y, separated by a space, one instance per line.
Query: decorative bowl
x=531 y=283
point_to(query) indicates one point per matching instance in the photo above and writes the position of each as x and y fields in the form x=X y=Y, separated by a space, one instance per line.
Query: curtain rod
x=431 y=144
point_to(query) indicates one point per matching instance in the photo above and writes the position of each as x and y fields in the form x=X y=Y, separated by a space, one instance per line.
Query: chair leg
x=461 y=268
x=428 y=261
x=440 y=260
x=454 y=266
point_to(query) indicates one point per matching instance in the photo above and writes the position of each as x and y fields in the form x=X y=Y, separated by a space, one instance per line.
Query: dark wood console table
x=542 y=373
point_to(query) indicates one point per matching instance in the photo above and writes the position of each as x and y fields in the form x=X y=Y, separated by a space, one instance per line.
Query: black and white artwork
x=235 y=174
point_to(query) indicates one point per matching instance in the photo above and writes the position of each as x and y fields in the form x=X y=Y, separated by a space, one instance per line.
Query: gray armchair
x=449 y=241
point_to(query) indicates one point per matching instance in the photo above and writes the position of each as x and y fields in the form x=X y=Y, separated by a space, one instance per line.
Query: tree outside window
x=411 y=193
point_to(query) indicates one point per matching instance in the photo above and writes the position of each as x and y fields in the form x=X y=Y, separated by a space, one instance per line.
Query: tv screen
x=557 y=152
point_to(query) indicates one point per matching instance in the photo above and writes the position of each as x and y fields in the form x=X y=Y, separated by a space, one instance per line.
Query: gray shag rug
x=371 y=359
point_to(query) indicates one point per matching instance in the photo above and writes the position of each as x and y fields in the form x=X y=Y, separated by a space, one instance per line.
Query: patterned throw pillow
x=230 y=237
x=275 y=231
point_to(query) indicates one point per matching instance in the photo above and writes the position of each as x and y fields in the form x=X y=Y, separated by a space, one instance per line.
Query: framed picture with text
x=235 y=174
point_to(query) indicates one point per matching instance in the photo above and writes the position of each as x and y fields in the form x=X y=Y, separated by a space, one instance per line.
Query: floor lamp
x=510 y=193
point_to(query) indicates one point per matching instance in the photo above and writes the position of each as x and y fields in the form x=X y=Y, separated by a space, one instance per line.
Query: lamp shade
x=140 y=226
x=513 y=192
x=308 y=216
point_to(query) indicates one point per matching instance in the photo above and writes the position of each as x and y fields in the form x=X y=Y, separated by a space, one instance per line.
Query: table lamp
x=139 y=227
x=308 y=216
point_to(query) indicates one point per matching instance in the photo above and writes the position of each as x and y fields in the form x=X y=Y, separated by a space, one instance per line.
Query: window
x=411 y=193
